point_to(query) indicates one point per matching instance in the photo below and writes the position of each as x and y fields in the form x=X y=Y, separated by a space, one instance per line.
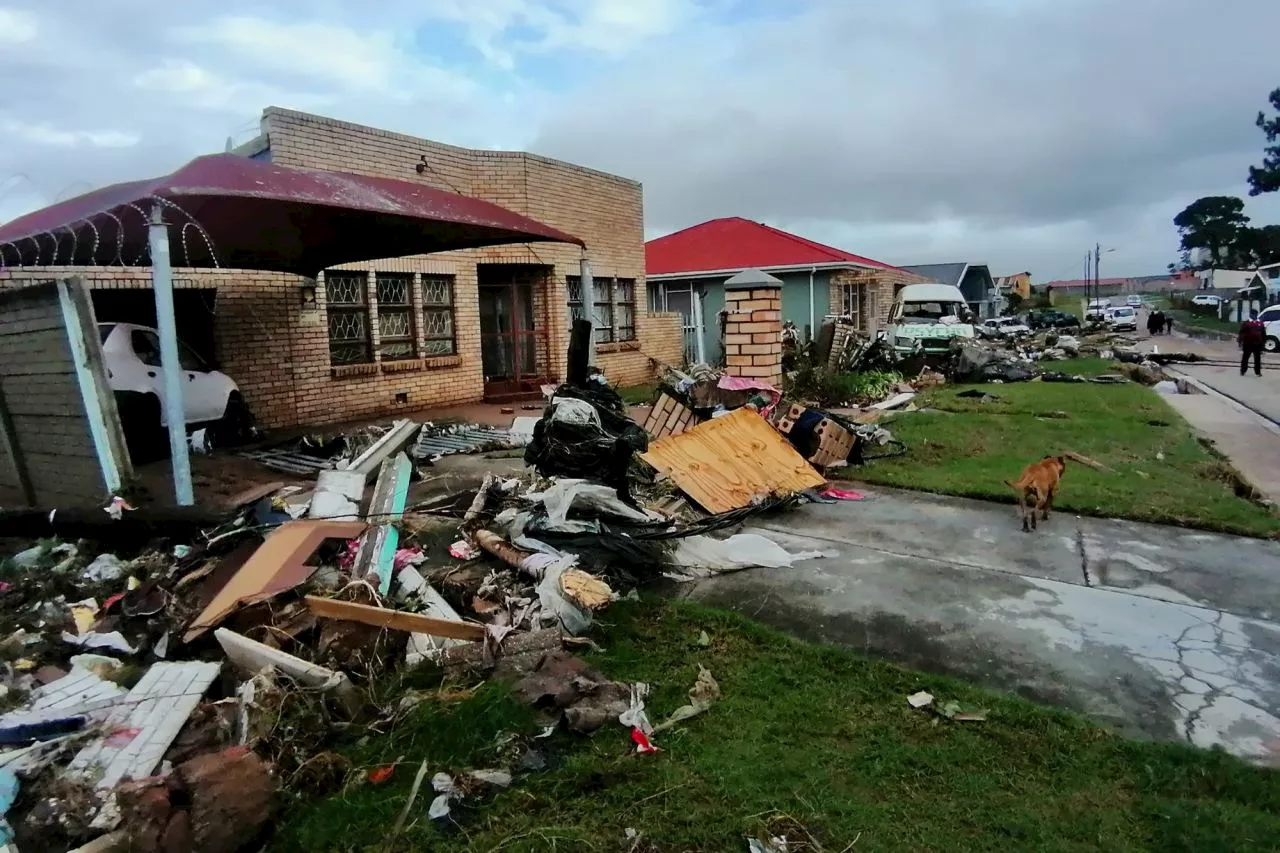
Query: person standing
x=1168 y=324
x=1253 y=333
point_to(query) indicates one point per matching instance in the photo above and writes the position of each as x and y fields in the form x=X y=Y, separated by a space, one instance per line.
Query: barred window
x=439 y=331
x=613 y=307
x=346 y=295
x=395 y=316
x=851 y=303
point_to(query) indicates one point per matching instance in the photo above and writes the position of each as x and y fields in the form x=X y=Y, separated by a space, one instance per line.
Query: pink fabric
x=843 y=494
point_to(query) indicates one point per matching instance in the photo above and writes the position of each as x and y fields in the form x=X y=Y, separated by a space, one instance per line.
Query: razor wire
x=188 y=251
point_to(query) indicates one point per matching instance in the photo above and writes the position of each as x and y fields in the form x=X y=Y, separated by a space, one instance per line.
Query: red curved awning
x=258 y=215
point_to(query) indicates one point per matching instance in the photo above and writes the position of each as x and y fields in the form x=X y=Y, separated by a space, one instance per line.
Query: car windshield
x=928 y=312
x=1123 y=312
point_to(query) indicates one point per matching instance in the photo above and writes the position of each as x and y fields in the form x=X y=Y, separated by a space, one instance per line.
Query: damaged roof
x=734 y=243
x=262 y=216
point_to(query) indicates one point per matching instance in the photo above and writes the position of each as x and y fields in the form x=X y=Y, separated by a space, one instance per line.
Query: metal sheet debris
x=288 y=461
x=431 y=444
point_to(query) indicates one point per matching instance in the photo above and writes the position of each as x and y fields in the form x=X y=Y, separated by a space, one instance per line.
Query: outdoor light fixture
x=308 y=290
x=421 y=166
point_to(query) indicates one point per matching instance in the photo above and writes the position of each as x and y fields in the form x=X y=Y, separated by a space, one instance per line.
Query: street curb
x=1266 y=422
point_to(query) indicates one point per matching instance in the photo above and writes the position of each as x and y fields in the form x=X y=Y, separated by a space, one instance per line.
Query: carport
x=226 y=211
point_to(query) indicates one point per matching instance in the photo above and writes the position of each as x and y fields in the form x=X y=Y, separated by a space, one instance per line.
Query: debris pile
x=168 y=671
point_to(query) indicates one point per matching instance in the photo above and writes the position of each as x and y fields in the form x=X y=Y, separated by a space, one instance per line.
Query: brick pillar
x=753 y=326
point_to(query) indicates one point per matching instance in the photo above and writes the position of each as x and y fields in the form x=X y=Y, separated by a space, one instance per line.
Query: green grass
x=812 y=732
x=637 y=395
x=1183 y=319
x=1161 y=472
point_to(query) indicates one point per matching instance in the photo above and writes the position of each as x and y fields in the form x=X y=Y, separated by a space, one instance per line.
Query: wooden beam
x=396 y=620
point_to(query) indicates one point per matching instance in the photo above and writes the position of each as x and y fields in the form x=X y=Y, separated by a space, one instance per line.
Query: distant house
x=1116 y=286
x=1229 y=280
x=686 y=272
x=1019 y=283
x=974 y=281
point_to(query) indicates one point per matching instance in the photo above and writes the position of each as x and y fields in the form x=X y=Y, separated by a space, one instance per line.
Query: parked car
x=1003 y=327
x=1122 y=319
x=131 y=354
x=1097 y=309
x=1047 y=318
x=1270 y=318
x=1206 y=299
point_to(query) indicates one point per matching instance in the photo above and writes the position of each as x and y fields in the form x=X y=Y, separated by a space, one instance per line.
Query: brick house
x=687 y=270
x=379 y=337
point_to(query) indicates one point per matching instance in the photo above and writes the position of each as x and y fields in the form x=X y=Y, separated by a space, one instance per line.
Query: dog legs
x=1048 y=505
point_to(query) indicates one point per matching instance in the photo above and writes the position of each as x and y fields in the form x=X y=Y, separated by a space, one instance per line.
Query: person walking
x=1168 y=324
x=1252 y=335
x=1155 y=322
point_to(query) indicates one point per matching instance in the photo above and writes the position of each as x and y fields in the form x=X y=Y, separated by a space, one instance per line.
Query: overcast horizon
x=1015 y=133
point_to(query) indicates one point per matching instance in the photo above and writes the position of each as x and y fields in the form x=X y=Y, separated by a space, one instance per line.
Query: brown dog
x=1036 y=487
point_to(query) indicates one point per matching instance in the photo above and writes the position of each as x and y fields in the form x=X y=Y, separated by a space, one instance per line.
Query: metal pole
x=695 y=307
x=170 y=368
x=589 y=305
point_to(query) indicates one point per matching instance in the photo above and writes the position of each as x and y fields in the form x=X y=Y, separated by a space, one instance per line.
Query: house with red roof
x=686 y=272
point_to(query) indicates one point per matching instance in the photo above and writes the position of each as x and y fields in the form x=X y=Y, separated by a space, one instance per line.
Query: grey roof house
x=974 y=281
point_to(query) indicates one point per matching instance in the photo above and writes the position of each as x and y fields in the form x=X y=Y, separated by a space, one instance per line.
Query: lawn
x=804 y=735
x=1160 y=470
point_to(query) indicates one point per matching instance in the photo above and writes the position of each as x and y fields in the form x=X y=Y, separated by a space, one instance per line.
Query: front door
x=508 y=339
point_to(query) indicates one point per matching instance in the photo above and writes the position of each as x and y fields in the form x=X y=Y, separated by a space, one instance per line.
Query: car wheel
x=1271 y=344
x=236 y=425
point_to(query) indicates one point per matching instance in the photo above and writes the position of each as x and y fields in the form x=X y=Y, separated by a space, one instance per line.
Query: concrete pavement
x=1161 y=632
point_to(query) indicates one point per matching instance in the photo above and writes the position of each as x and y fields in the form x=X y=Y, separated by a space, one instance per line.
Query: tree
x=1214 y=223
x=1266 y=178
x=1258 y=246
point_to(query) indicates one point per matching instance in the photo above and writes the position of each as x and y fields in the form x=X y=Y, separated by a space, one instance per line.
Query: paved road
x=1239 y=414
x=1162 y=632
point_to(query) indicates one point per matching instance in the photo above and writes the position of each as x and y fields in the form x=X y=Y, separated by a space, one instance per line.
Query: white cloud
x=44 y=134
x=17 y=26
x=336 y=55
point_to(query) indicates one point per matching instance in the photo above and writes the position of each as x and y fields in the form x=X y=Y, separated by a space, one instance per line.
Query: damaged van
x=925 y=317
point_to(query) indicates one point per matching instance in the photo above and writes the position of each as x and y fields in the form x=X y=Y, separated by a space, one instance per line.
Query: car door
x=202 y=395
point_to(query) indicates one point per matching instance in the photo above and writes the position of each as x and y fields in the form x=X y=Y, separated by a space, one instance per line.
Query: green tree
x=1214 y=223
x=1266 y=178
x=1258 y=246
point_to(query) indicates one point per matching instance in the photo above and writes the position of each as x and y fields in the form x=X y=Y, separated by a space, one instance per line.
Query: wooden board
x=277 y=565
x=397 y=620
x=725 y=462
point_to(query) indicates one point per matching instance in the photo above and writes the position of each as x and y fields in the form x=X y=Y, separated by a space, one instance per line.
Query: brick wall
x=880 y=286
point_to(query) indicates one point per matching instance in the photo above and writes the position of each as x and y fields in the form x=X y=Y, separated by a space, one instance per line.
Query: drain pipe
x=813 y=327
x=589 y=306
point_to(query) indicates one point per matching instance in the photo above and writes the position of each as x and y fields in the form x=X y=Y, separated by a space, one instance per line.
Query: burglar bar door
x=680 y=298
x=508 y=341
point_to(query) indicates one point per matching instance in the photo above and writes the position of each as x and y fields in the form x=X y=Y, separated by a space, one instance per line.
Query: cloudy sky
x=1015 y=132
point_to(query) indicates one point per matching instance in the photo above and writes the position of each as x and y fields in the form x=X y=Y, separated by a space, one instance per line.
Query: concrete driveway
x=1162 y=632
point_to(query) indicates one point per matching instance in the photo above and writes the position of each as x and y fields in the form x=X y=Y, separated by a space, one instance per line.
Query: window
x=851 y=296
x=348 y=310
x=614 y=307
x=146 y=345
x=437 y=316
x=395 y=316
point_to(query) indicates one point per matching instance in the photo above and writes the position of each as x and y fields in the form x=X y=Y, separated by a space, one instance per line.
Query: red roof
x=735 y=243
x=262 y=216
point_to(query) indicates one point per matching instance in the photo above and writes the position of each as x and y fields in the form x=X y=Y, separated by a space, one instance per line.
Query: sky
x=1015 y=133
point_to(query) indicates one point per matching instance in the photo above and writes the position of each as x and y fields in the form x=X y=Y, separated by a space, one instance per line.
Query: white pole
x=170 y=368
x=700 y=347
x=589 y=305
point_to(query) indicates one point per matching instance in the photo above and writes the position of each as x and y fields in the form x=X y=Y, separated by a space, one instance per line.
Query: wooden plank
x=278 y=565
x=395 y=620
x=16 y=326
x=13 y=451
x=726 y=462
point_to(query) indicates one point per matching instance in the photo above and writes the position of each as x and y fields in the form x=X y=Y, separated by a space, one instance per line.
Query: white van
x=1270 y=318
x=926 y=317
x=1096 y=309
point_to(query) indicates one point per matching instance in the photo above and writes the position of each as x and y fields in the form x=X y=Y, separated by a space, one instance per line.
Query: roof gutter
x=831 y=265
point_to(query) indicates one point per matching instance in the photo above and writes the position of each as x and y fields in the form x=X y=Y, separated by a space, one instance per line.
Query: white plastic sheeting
x=703 y=556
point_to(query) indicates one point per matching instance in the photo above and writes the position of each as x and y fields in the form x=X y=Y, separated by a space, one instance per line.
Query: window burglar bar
x=439 y=330
x=614 y=309
x=395 y=316
x=348 y=311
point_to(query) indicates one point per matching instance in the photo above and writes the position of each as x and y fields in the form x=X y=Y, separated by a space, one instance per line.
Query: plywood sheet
x=725 y=462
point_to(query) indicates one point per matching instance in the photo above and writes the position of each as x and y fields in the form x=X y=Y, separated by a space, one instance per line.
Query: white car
x=1096 y=309
x=1134 y=301
x=1270 y=318
x=1206 y=299
x=131 y=354
x=1122 y=319
x=1003 y=327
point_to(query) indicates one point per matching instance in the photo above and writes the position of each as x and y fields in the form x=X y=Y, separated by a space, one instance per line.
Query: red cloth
x=1252 y=333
